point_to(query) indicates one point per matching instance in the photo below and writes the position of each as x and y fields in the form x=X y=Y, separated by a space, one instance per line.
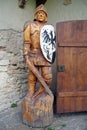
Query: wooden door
x=71 y=66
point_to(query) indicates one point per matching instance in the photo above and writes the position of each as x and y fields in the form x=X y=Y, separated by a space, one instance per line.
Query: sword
x=40 y=78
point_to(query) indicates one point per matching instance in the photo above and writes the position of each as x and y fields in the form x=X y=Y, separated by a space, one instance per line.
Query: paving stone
x=12 y=120
x=81 y=128
x=20 y=127
x=24 y=127
x=2 y=126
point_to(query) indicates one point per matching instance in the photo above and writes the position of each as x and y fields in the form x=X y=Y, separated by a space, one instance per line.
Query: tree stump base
x=38 y=112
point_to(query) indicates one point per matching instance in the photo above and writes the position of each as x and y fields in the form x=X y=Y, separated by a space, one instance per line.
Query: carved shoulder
x=26 y=25
x=26 y=31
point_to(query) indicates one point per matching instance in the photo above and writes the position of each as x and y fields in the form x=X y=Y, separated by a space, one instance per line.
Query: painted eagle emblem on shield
x=48 y=42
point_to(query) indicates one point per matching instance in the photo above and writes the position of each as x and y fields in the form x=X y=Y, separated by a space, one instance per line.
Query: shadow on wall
x=22 y=3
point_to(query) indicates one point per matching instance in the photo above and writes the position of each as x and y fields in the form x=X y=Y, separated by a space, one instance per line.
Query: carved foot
x=37 y=93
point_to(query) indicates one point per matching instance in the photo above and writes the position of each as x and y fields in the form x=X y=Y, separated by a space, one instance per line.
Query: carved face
x=41 y=16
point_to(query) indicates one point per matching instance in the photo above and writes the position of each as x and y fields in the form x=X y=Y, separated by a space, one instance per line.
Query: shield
x=47 y=42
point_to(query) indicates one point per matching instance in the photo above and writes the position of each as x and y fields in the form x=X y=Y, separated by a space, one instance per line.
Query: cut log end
x=39 y=111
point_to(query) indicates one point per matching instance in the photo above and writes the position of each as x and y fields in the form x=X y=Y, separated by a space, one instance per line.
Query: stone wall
x=13 y=73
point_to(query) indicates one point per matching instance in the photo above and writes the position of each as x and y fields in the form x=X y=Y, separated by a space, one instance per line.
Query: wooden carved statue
x=39 y=53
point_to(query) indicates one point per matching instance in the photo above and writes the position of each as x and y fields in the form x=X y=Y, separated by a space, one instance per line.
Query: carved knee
x=32 y=79
x=48 y=78
x=31 y=84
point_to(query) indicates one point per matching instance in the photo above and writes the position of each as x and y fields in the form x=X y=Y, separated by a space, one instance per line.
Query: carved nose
x=41 y=15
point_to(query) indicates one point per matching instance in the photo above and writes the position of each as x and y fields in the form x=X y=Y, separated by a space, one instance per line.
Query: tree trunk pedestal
x=38 y=112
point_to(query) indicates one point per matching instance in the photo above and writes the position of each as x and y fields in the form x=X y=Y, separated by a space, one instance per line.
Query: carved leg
x=47 y=76
x=39 y=111
x=31 y=83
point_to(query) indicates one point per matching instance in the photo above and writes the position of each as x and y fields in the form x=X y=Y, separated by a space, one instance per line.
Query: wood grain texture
x=72 y=54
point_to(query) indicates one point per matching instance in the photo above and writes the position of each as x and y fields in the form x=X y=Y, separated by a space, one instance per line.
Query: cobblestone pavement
x=11 y=119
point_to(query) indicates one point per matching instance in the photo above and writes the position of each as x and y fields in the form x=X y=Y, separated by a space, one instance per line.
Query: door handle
x=61 y=68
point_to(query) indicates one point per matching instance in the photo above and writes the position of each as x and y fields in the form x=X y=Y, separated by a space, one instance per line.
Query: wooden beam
x=38 y=2
x=73 y=94
x=66 y=2
x=21 y=3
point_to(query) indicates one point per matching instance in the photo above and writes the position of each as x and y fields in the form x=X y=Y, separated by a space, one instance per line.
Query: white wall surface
x=11 y=16
x=59 y=12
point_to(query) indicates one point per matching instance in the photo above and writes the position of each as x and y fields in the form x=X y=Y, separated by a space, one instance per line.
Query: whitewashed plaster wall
x=58 y=12
x=11 y=16
x=13 y=74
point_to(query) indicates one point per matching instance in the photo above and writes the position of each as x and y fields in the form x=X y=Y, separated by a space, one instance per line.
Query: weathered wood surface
x=72 y=55
x=38 y=75
x=38 y=112
x=37 y=105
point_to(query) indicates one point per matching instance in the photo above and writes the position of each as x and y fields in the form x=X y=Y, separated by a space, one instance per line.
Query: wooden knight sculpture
x=39 y=53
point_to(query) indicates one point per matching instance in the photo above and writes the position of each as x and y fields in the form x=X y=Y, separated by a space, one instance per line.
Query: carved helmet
x=40 y=8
